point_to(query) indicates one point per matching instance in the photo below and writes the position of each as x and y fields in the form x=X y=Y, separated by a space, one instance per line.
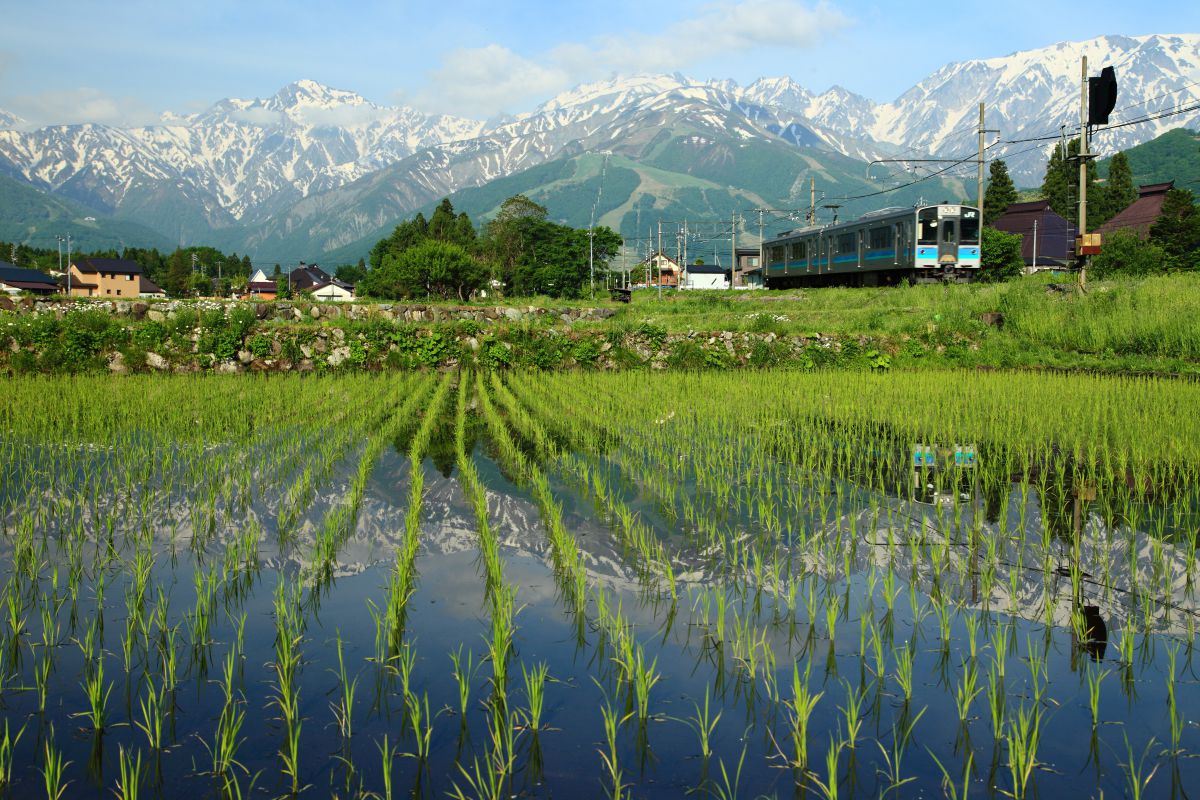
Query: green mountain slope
x=31 y=216
x=1174 y=156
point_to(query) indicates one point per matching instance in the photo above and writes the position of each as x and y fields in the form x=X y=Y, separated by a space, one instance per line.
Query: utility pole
x=1083 y=165
x=658 y=257
x=683 y=258
x=983 y=131
x=981 y=138
x=733 y=261
x=812 y=200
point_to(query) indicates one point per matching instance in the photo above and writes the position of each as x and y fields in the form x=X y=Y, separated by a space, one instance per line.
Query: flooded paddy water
x=644 y=585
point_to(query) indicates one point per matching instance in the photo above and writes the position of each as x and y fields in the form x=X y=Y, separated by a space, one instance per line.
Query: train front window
x=970 y=227
x=927 y=227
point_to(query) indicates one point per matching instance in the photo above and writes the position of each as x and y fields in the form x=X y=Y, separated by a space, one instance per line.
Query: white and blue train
x=927 y=243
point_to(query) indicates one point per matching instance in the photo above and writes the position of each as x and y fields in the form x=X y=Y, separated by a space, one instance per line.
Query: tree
x=1177 y=230
x=442 y=223
x=1061 y=184
x=1117 y=192
x=1125 y=253
x=351 y=274
x=431 y=268
x=503 y=240
x=1000 y=255
x=407 y=234
x=554 y=258
x=1000 y=194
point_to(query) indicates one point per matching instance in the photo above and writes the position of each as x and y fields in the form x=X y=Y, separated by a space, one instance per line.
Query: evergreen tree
x=1118 y=191
x=1177 y=230
x=1061 y=184
x=1000 y=194
x=442 y=223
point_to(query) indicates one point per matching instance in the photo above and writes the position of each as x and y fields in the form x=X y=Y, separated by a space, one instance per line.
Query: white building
x=704 y=276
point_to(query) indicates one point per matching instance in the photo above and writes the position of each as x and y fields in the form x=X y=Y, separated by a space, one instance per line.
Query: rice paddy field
x=471 y=584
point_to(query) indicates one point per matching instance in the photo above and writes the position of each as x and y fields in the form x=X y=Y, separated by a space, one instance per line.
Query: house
x=320 y=284
x=109 y=278
x=260 y=287
x=1140 y=215
x=14 y=280
x=662 y=270
x=749 y=270
x=705 y=276
x=1047 y=239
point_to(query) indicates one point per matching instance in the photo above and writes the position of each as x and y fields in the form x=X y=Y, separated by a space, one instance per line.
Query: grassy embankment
x=1143 y=326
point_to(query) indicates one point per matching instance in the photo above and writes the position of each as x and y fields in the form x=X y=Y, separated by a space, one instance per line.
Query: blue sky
x=126 y=61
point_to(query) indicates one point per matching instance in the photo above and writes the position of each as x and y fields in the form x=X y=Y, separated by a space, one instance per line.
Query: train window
x=799 y=251
x=846 y=243
x=948 y=230
x=879 y=238
x=776 y=255
x=927 y=227
x=970 y=227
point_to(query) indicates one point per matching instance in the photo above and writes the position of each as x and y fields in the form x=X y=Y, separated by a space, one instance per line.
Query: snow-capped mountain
x=1034 y=93
x=241 y=158
x=281 y=165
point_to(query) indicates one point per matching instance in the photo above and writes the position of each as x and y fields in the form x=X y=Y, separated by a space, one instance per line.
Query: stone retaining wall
x=300 y=310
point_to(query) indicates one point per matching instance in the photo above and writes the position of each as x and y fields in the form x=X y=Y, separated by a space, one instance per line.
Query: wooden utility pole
x=1083 y=165
x=981 y=138
x=812 y=200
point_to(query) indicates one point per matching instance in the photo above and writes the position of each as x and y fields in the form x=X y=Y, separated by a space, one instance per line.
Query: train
x=893 y=245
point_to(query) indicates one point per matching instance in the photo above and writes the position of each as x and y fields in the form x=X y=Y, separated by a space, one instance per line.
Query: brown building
x=109 y=278
x=1047 y=239
x=1140 y=215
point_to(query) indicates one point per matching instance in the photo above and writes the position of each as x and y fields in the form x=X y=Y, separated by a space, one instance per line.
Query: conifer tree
x=1000 y=194
x=1177 y=230
x=1061 y=184
x=1118 y=191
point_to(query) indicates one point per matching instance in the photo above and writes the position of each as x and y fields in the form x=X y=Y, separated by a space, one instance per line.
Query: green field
x=486 y=584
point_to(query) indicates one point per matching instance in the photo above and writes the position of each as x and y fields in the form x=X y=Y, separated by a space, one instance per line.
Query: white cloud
x=257 y=115
x=342 y=116
x=487 y=80
x=85 y=104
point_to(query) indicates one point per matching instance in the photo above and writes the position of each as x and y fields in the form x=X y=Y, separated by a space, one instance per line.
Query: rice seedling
x=8 y=745
x=54 y=769
x=129 y=775
x=535 y=693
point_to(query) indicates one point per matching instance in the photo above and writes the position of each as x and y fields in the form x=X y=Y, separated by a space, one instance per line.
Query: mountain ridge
x=325 y=166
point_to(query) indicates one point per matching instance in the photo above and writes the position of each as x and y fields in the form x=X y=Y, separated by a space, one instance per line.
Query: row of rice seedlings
x=568 y=563
x=402 y=583
x=339 y=523
x=494 y=771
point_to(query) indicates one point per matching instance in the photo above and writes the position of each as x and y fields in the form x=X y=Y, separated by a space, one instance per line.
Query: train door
x=948 y=235
x=898 y=255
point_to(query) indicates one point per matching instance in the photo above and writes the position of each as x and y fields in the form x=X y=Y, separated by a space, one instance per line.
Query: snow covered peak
x=613 y=92
x=310 y=94
x=8 y=121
